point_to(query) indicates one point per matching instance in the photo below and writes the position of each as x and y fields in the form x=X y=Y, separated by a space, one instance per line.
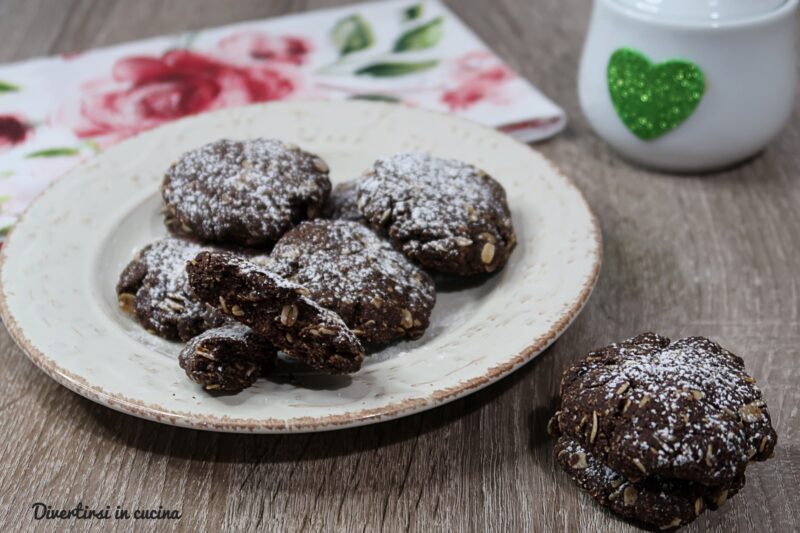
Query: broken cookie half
x=227 y=359
x=278 y=309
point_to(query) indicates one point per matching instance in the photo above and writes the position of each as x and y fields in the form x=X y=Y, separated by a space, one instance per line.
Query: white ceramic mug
x=746 y=51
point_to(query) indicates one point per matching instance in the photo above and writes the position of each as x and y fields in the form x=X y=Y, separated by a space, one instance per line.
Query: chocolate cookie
x=229 y=358
x=341 y=204
x=447 y=215
x=154 y=288
x=276 y=308
x=348 y=269
x=681 y=410
x=244 y=192
x=663 y=503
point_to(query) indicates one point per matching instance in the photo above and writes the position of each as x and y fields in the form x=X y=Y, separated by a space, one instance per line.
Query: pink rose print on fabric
x=13 y=130
x=261 y=46
x=145 y=91
x=477 y=76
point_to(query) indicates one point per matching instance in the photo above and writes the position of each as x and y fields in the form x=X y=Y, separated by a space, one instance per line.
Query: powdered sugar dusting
x=267 y=283
x=246 y=192
x=232 y=331
x=442 y=212
x=685 y=409
x=352 y=271
x=163 y=301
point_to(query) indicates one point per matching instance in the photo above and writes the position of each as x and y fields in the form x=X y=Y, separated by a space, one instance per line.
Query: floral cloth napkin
x=57 y=111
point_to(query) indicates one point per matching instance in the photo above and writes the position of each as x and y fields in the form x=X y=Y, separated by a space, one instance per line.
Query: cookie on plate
x=341 y=204
x=660 y=502
x=243 y=192
x=228 y=358
x=683 y=410
x=154 y=288
x=445 y=214
x=276 y=308
x=380 y=294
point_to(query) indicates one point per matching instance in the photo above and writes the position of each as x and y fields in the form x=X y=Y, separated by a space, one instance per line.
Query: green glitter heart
x=653 y=99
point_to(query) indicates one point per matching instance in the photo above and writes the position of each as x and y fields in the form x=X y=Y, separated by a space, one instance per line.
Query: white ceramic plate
x=61 y=263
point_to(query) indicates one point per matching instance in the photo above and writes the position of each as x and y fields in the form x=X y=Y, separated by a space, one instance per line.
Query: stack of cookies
x=659 y=431
x=264 y=260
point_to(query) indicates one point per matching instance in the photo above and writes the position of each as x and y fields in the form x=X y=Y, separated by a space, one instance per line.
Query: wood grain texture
x=717 y=255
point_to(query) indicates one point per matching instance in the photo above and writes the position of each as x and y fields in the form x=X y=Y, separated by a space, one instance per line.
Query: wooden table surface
x=717 y=255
